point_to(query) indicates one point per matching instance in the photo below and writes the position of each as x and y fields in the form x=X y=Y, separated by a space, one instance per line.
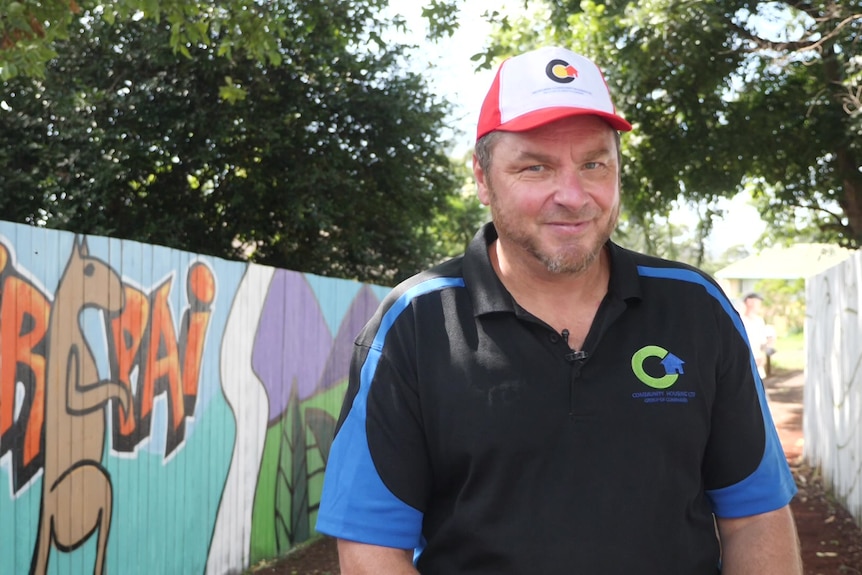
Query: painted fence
x=162 y=411
x=832 y=408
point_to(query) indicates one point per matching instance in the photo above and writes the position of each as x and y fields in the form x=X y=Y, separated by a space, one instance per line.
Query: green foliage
x=789 y=352
x=783 y=304
x=662 y=237
x=732 y=254
x=327 y=159
x=259 y=31
x=727 y=94
x=454 y=226
x=442 y=16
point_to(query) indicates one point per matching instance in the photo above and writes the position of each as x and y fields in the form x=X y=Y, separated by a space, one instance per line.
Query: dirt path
x=784 y=393
x=831 y=541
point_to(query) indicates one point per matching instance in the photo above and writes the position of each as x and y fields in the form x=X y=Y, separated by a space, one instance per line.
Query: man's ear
x=481 y=182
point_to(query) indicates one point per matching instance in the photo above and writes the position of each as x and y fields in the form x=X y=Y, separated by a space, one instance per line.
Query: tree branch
x=764 y=44
x=833 y=33
x=799 y=45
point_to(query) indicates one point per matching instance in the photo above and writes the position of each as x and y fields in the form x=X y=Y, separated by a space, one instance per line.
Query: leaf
x=291 y=489
x=322 y=426
x=299 y=522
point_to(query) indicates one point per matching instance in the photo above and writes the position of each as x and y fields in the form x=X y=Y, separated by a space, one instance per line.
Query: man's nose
x=570 y=188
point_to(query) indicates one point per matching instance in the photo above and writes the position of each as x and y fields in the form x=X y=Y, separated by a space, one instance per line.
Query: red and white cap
x=544 y=85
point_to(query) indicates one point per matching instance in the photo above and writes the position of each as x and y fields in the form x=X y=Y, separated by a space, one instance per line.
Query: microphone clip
x=577 y=356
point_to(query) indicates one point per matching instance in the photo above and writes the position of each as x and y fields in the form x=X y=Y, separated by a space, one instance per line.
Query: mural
x=162 y=411
x=76 y=488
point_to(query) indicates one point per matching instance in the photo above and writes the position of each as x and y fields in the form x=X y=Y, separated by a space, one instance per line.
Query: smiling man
x=551 y=402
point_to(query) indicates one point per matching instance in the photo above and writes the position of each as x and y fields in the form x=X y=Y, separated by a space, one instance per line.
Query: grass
x=789 y=352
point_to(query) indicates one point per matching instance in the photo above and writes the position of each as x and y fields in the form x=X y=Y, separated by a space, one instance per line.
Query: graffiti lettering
x=23 y=324
x=127 y=332
x=144 y=353
x=146 y=350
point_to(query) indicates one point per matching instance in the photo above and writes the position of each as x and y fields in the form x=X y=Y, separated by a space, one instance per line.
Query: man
x=551 y=402
x=759 y=336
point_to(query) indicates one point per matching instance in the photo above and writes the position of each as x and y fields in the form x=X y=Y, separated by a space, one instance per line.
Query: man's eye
x=537 y=168
x=592 y=165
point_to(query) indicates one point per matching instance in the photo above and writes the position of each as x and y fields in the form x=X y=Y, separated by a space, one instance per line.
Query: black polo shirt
x=472 y=433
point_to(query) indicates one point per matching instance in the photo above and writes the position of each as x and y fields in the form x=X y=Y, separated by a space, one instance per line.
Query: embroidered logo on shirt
x=657 y=359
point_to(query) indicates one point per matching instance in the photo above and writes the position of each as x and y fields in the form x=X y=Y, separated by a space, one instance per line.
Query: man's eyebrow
x=541 y=158
x=530 y=156
x=598 y=153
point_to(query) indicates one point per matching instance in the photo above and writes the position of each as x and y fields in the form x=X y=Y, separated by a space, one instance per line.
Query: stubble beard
x=570 y=260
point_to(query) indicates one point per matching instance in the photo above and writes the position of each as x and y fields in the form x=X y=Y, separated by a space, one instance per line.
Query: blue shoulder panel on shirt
x=771 y=486
x=355 y=504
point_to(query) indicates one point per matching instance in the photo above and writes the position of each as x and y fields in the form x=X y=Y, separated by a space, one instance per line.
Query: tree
x=724 y=95
x=454 y=228
x=29 y=30
x=330 y=165
x=661 y=236
x=785 y=304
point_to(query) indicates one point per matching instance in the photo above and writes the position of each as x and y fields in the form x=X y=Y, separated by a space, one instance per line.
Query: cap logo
x=561 y=71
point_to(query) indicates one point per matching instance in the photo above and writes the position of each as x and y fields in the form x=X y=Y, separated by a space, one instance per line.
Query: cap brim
x=545 y=116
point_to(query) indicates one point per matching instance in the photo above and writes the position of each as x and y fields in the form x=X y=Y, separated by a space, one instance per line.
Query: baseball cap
x=544 y=85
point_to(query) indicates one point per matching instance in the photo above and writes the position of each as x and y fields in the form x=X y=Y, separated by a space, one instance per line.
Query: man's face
x=554 y=193
x=753 y=306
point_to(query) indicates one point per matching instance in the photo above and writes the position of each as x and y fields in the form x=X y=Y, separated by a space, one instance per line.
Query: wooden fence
x=832 y=409
x=162 y=411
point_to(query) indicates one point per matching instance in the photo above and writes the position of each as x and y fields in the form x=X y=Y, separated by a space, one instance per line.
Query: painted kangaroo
x=76 y=488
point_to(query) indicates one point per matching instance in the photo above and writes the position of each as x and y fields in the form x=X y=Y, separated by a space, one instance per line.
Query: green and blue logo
x=671 y=363
x=673 y=368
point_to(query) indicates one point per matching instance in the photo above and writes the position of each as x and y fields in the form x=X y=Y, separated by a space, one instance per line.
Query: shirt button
x=555 y=337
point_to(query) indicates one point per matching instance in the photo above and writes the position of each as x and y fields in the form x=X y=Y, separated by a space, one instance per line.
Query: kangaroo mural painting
x=75 y=397
x=162 y=411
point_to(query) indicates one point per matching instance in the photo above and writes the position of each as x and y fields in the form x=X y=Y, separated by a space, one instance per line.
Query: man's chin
x=570 y=262
x=568 y=265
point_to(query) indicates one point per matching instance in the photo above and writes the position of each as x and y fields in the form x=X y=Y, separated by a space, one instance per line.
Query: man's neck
x=564 y=301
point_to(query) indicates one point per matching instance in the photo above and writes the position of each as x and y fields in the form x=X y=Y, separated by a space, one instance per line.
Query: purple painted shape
x=338 y=364
x=292 y=342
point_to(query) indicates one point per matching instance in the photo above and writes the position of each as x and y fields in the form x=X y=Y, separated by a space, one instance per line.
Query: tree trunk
x=846 y=159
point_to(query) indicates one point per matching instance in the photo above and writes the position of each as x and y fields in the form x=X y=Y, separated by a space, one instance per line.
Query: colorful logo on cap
x=561 y=71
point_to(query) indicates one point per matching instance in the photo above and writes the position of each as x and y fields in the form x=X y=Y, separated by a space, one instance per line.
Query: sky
x=447 y=65
x=452 y=75
x=741 y=225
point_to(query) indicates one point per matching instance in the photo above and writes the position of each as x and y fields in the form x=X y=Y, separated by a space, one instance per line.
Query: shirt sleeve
x=741 y=418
